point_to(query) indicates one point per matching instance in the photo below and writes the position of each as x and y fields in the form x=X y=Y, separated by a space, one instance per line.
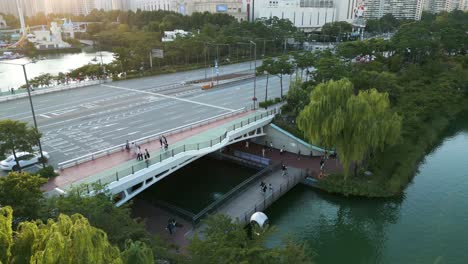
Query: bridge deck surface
x=92 y=171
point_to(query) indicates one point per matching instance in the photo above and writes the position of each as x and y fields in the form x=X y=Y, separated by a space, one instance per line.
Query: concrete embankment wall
x=292 y=144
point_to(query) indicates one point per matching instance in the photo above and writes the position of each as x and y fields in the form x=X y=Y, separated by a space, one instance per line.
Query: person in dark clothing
x=147 y=155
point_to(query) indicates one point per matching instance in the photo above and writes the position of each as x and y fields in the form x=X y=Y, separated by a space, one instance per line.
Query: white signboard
x=157 y=53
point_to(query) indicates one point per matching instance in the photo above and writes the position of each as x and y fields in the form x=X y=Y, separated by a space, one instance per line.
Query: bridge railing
x=147 y=139
x=271 y=197
x=117 y=175
x=233 y=193
x=21 y=93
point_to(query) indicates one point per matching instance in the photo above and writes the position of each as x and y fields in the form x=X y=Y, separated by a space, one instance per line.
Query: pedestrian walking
x=147 y=155
x=299 y=155
x=140 y=154
x=263 y=152
x=284 y=170
x=264 y=189
x=270 y=186
x=135 y=148
x=127 y=146
x=271 y=145
x=322 y=162
x=161 y=141
x=282 y=150
x=246 y=144
x=164 y=139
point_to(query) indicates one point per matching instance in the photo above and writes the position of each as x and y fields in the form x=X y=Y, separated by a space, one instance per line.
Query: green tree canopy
x=22 y=191
x=354 y=125
x=16 y=136
x=225 y=241
x=102 y=213
x=67 y=240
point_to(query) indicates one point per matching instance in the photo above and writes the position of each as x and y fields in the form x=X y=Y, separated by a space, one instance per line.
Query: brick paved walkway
x=312 y=164
x=85 y=170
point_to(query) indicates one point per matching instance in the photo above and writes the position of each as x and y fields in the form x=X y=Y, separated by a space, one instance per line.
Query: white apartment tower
x=401 y=9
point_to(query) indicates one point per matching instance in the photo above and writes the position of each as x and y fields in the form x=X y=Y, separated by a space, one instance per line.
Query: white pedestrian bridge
x=128 y=179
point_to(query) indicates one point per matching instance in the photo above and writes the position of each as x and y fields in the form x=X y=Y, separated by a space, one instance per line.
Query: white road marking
x=131 y=133
x=169 y=97
x=148 y=125
x=46 y=116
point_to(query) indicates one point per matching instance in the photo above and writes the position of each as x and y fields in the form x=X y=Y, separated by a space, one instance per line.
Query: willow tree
x=354 y=125
x=67 y=240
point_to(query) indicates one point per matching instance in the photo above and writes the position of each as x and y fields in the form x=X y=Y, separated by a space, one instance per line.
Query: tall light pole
x=254 y=99
x=31 y=104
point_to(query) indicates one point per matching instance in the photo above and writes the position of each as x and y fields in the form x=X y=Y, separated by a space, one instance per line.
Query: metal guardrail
x=171 y=152
x=233 y=193
x=251 y=157
x=22 y=93
x=293 y=180
x=147 y=139
x=175 y=209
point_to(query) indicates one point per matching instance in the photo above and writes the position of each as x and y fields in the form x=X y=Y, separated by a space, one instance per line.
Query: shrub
x=47 y=172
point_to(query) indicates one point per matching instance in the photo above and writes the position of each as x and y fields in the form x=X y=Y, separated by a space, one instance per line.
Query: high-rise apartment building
x=401 y=9
x=437 y=6
x=29 y=7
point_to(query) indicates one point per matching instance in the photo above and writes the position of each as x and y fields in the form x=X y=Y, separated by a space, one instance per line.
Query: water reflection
x=428 y=224
x=12 y=76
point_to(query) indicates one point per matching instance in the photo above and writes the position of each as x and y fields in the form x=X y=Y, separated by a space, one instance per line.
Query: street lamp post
x=32 y=106
x=254 y=99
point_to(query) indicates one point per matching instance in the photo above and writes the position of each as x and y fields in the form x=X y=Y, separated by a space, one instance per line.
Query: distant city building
x=401 y=9
x=188 y=7
x=172 y=35
x=305 y=14
x=153 y=5
x=437 y=6
x=302 y=13
x=29 y=7
x=48 y=39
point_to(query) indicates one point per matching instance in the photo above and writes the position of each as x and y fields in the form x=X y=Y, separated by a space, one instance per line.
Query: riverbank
x=431 y=213
x=394 y=168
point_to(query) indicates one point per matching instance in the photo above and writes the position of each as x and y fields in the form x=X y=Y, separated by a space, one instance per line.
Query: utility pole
x=204 y=49
x=33 y=114
x=254 y=99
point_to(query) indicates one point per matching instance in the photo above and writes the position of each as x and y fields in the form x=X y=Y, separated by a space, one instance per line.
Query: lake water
x=12 y=75
x=429 y=224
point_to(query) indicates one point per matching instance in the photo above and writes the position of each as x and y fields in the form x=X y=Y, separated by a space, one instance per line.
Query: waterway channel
x=428 y=224
x=12 y=76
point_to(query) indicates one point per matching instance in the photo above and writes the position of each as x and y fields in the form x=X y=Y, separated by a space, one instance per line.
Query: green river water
x=429 y=224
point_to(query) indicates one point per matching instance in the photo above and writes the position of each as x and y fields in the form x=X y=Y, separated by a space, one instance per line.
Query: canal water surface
x=429 y=224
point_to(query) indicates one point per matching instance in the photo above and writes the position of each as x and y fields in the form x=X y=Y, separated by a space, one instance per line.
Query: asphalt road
x=85 y=120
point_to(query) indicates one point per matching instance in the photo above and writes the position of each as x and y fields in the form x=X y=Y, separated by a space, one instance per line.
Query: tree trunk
x=281 y=85
x=16 y=160
x=355 y=169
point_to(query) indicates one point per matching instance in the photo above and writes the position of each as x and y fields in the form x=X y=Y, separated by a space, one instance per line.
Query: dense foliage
x=423 y=68
x=354 y=125
x=65 y=240
x=12 y=143
x=225 y=241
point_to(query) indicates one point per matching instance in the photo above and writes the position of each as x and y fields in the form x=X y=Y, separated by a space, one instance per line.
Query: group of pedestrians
x=140 y=155
x=163 y=142
x=264 y=187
